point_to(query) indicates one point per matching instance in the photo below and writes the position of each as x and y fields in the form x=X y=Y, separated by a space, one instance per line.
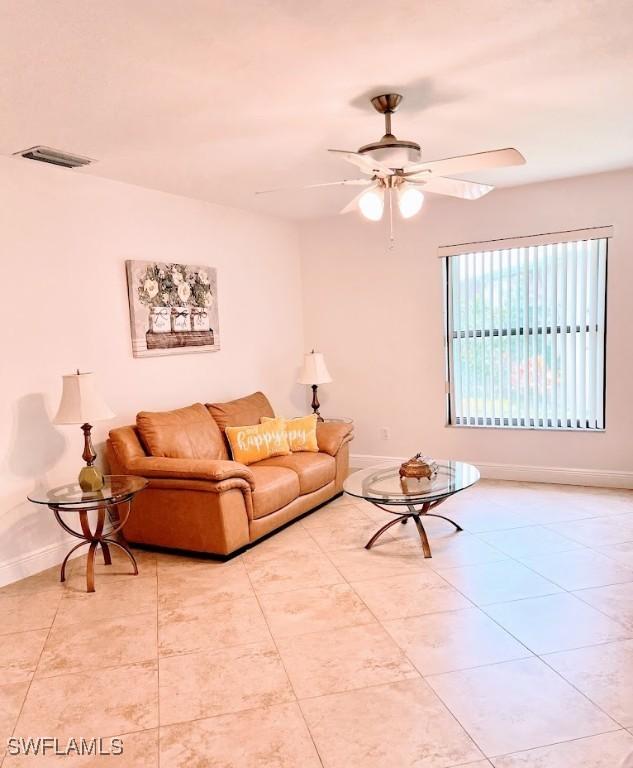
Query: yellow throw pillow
x=301 y=432
x=257 y=442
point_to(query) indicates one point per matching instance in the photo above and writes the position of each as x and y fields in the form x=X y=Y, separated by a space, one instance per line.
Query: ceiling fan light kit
x=372 y=204
x=394 y=166
x=410 y=200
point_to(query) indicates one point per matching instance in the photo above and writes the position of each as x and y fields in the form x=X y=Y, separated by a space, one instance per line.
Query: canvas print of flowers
x=173 y=308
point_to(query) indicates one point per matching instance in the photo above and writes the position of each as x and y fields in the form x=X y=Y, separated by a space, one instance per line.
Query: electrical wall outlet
x=385 y=433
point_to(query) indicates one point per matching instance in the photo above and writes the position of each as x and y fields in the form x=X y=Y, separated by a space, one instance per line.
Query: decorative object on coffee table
x=117 y=490
x=419 y=467
x=385 y=486
x=173 y=308
x=313 y=373
x=82 y=404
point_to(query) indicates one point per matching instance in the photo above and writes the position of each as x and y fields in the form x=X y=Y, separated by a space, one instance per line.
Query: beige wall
x=378 y=317
x=64 y=238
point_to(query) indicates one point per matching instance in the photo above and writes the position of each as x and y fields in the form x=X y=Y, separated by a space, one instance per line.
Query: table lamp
x=82 y=404
x=313 y=373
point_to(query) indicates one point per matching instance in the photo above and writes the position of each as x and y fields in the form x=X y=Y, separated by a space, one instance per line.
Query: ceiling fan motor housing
x=391 y=151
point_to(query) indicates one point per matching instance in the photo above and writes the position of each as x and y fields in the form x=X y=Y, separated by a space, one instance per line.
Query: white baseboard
x=600 y=478
x=365 y=460
x=39 y=560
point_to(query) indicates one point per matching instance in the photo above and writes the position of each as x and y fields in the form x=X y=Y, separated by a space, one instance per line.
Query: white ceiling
x=215 y=100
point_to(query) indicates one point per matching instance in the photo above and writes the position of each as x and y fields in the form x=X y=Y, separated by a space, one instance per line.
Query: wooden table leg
x=90 y=567
x=107 y=557
x=370 y=543
x=113 y=543
x=62 y=576
x=423 y=537
x=448 y=520
x=94 y=543
x=427 y=507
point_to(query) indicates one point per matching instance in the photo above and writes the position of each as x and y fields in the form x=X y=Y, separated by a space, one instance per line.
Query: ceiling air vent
x=54 y=156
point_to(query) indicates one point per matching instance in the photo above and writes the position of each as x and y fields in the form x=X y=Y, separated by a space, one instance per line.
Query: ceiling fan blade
x=344 y=182
x=364 y=162
x=351 y=206
x=439 y=185
x=496 y=158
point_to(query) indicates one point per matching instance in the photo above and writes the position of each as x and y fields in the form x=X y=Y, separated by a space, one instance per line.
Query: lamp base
x=315 y=403
x=90 y=479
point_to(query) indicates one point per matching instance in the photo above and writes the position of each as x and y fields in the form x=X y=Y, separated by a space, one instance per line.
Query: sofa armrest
x=215 y=470
x=193 y=484
x=332 y=435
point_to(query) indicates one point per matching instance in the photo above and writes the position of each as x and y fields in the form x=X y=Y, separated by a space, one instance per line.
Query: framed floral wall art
x=173 y=308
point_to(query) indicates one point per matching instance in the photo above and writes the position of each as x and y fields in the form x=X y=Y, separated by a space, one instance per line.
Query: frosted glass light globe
x=372 y=204
x=410 y=201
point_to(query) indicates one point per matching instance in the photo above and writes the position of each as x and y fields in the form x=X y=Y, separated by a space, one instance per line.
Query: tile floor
x=511 y=648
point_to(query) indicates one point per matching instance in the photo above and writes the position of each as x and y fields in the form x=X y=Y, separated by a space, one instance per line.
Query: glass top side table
x=117 y=490
x=383 y=485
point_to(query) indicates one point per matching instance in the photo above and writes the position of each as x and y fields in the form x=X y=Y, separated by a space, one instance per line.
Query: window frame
x=495 y=422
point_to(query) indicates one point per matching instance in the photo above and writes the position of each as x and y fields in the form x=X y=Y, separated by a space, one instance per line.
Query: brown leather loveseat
x=198 y=499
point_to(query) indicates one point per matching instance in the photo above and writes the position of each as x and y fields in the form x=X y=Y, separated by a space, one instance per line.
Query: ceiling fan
x=394 y=165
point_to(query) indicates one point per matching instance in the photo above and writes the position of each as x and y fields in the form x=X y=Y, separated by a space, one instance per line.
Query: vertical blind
x=526 y=335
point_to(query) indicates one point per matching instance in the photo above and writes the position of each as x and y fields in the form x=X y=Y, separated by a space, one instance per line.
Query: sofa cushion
x=314 y=470
x=185 y=433
x=274 y=488
x=256 y=442
x=243 y=412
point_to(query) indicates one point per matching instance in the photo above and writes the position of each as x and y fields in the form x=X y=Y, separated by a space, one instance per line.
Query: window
x=526 y=332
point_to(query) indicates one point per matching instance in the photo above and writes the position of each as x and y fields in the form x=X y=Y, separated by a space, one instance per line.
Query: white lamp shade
x=81 y=403
x=314 y=370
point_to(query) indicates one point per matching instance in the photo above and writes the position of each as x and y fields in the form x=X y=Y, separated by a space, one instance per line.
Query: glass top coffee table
x=384 y=486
